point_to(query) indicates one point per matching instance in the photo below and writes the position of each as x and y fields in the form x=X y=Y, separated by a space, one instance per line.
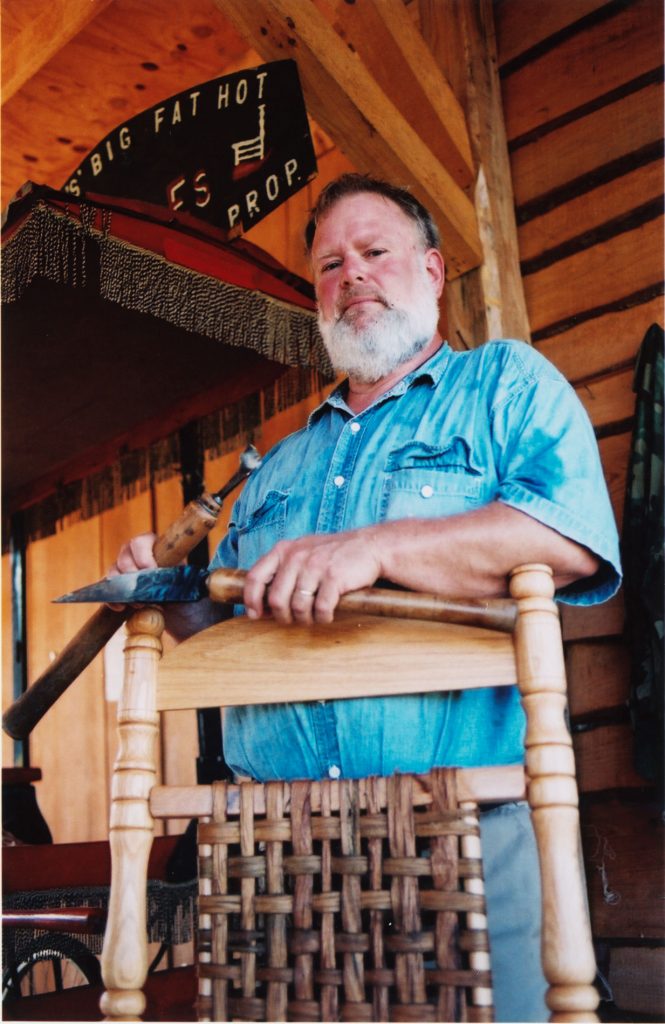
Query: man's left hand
x=302 y=580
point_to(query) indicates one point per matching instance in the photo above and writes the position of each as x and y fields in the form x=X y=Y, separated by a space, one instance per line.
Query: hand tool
x=172 y=547
x=188 y=583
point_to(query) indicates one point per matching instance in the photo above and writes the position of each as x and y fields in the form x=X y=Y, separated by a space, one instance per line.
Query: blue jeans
x=512 y=890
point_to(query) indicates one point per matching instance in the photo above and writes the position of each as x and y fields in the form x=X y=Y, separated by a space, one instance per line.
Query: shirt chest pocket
x=262 y=528
x=425 y=481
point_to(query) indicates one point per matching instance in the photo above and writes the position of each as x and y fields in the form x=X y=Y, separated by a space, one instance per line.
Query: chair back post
x=567 y=950
x=125 y=951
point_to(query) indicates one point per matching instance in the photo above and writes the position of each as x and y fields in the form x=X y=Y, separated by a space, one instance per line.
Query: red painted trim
x=20 y=776
x=63 y=865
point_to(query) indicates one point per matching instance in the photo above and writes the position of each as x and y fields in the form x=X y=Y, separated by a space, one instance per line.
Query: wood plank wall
x=582 y=91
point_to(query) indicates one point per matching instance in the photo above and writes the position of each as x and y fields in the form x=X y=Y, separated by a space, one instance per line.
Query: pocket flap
x=455 y=455
x=271 y=508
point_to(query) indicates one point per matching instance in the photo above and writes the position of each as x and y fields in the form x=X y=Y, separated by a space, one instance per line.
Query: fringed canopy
x=121 y=323
x=230 y=292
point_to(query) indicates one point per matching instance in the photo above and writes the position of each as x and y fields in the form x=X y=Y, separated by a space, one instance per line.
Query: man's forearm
x=472 y=554
x=468 y=555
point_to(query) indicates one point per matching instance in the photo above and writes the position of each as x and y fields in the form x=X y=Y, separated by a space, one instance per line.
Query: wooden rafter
x=384 y=35
x=345 y=98
x=44 y=28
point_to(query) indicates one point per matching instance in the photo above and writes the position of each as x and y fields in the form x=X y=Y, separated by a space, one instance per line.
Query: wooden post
x=567 y=950
x=487 y=302
x=125 y=952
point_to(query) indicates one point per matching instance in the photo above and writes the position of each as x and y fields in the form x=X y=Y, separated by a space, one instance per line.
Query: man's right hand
x=181 y=620
x=134 y=555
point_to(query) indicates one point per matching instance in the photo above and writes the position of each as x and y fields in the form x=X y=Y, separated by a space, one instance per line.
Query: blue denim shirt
x=464 y=429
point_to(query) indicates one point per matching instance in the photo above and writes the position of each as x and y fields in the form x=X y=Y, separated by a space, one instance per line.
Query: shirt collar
x=432 y=370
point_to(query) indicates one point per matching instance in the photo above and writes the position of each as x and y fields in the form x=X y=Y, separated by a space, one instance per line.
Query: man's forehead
x=363 y=211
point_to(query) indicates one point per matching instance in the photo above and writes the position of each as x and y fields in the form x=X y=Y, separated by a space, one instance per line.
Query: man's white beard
x=392 y=338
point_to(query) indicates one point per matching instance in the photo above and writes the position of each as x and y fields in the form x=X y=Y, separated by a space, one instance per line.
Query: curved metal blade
x=151 y=586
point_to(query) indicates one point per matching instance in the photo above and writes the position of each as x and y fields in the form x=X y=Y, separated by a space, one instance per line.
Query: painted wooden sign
x=228 y=151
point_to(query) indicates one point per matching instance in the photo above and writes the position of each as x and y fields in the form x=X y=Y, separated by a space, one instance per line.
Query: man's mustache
x=353 y=294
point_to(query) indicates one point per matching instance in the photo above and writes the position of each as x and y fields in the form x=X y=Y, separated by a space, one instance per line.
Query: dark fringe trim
x=47 y=244
x=140 y=281
x=53 y=245
x=171 y=913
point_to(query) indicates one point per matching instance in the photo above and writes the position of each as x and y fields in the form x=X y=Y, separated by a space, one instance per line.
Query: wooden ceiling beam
x=384 y=35
x=33 y=33
x=344 y=98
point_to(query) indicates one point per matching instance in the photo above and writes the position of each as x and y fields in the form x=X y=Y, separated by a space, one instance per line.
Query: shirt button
x=355 y=427
x=334 y=771
x=338 y=481
x=427 y=491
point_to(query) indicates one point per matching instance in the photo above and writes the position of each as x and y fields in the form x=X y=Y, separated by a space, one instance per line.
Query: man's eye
x=329 y=266
x=376 y=252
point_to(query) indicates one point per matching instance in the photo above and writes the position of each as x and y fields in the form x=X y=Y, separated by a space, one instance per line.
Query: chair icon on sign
x=251 y=149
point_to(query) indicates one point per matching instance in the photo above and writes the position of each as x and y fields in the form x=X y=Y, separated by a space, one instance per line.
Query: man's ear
x=436 y=270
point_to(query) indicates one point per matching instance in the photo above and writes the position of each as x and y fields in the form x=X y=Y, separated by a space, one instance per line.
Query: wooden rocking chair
x=350 y=900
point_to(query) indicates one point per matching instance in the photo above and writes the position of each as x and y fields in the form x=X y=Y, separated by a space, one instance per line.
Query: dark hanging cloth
x=642 y=542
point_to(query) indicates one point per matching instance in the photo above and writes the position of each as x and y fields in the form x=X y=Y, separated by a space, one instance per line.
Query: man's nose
x=352 y=269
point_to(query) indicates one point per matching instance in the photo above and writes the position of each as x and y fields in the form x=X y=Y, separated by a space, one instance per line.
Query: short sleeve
x=549 y=467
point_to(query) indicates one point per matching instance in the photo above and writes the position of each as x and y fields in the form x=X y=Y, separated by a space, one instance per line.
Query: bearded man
x=439 y=471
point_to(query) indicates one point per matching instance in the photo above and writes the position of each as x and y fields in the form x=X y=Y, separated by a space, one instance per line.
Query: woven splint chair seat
x=359 y=900
x=349 y=900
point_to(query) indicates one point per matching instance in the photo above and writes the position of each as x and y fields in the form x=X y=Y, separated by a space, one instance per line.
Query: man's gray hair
x=355 y=184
